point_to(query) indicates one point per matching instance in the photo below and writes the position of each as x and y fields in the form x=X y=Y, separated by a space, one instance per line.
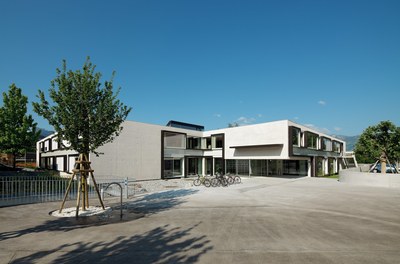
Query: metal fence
x=15 y=190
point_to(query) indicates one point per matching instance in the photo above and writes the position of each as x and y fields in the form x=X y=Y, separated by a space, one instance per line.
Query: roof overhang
x=257 y=146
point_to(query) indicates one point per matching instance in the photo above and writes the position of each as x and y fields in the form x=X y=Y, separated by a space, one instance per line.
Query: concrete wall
x=136 y=153
x=252 y=141
x=354 y=176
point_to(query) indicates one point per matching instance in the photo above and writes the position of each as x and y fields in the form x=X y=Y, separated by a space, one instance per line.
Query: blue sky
x=334 y=65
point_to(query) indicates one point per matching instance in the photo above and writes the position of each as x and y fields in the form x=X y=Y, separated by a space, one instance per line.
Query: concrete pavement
x=262 y=220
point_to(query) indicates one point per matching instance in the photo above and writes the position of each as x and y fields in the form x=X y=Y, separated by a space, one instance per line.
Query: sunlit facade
x=145 y=151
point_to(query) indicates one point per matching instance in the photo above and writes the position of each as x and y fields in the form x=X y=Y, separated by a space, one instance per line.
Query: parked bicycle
x=202 y=180
x=219 y=180
x=234 y=179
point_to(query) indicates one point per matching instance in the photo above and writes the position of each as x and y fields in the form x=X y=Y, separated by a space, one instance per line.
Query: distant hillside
x=350 y=141
x=44 y=133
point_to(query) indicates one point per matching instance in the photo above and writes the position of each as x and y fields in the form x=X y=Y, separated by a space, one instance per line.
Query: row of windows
x=51 y=144
x=183 y=141
x=314 y=141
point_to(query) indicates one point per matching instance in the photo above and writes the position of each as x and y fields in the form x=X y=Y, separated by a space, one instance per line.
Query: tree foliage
x=18 y=130
x=84 y=112
x=384 y=138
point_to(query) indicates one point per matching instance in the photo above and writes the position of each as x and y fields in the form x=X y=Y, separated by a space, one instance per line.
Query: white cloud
x=217 y=115
x=337 y=128
x=245 y=120
x=321 y=102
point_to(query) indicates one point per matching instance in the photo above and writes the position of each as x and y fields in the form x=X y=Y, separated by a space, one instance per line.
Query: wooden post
x=83 y=169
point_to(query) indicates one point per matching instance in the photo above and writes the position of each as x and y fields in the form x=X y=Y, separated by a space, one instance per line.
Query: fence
x=15 y=190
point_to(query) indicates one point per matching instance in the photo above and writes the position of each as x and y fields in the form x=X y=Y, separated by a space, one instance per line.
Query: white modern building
x=146 y=151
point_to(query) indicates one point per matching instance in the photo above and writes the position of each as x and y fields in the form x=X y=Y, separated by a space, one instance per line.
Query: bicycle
x=219 y=180
x=202 y=180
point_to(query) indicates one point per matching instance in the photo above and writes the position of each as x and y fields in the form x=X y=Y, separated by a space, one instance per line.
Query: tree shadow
x=160 y=245
x=148 y=204
x=161 y=201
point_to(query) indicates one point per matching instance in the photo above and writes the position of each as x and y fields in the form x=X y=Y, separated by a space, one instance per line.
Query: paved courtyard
x=262 y=220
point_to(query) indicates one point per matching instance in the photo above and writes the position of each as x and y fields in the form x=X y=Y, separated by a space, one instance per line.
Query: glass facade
x=219 y=165
x=172 y=167
x=295 y=167
x=312 y=140
x=326 y=144
x=194 y=166
x=296 y=136
x=174 y=140
x=267 y=167
x=259 y=167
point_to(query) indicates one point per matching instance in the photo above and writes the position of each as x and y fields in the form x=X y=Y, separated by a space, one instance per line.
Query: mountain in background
x=44 y=133
x=350 y=141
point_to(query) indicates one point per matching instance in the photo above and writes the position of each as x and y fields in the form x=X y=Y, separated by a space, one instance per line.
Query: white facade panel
x=138 y=152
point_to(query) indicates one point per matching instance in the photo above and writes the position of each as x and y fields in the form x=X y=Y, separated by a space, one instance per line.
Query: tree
x=377 y=141
x=84 y=113
x=234 y=124
x=18 y=130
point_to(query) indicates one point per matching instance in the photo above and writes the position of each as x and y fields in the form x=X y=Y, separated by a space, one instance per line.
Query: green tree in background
x=18 y=130
x=84 y=112
x=384 y=138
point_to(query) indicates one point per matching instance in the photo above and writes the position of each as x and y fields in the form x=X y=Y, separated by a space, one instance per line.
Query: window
x=337 y=146
x=326 y=144
x=312 y=140
x=172 y=167
x=218 y=141
x=219 y=165
x=243 y=167
x=174 y=140
x=206 y=143
x=296 y=136
x=193 y=143
x=231 y=166
x=258 y=167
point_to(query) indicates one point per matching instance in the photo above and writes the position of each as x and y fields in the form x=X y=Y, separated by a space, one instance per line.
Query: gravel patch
x=161 y=185
x=90 y=211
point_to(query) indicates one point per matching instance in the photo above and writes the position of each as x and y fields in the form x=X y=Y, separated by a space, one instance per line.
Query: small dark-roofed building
x=183 y=125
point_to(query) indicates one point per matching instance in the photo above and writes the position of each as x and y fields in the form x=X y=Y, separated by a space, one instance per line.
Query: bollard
x=126 y=188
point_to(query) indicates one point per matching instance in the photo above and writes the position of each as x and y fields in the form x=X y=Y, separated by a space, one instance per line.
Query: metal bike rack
x=120 y=195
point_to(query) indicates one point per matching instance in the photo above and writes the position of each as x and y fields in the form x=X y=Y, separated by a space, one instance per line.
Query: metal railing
x=15 y=190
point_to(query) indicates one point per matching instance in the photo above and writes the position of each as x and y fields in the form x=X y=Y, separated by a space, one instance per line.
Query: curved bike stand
x=120 y=197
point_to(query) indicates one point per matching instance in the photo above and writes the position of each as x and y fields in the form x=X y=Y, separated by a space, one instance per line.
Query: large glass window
x=295 y=167
x=172 y=167
x=296 y=136
x=312 y=140
x=337 y=146
x=218 y=141
x=209 y=166
x=231 y=167
x=219 y=165
x=193 y=143
x=194 y=166
x=206 y=143
x=326 y=144
x=258 y=168
x=174 y=140
x=320 y=166
x=243 y=167
x=273 y=167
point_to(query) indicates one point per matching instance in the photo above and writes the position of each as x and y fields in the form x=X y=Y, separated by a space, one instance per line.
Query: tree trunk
x=14 y=160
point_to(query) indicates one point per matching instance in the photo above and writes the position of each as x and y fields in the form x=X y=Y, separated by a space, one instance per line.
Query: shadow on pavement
x=149 y=204
x=161 y=201
x=160 y=245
